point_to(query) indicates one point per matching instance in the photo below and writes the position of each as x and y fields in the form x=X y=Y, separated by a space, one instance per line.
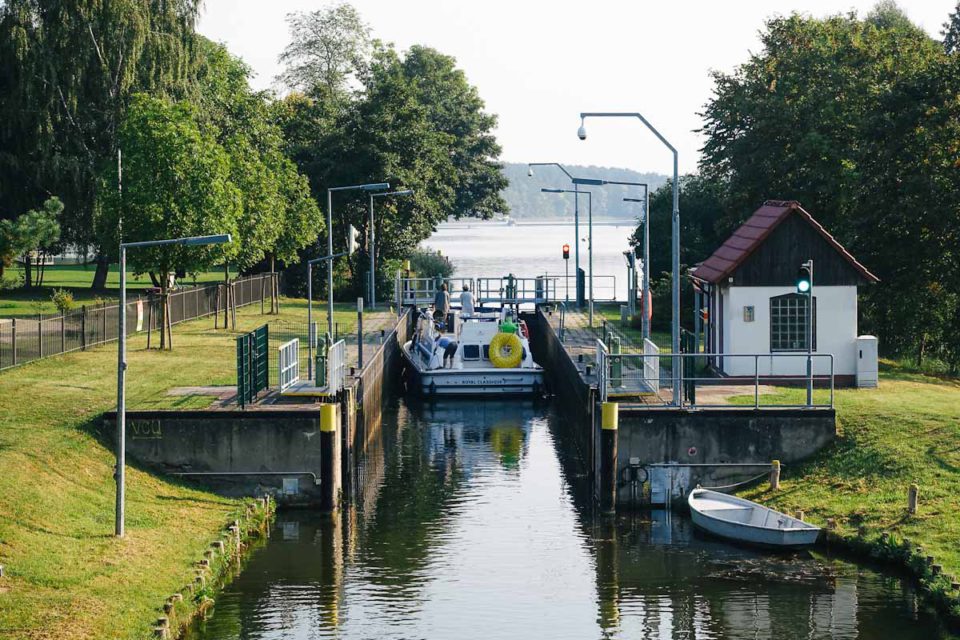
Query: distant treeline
x=526 y=201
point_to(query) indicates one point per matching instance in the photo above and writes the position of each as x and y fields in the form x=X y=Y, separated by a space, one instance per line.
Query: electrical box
x=867 y=367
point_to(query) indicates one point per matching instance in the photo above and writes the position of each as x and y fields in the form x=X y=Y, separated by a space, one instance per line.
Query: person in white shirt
x=466 y=301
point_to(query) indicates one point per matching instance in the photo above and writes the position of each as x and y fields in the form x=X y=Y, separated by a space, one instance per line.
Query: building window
x=788 y=323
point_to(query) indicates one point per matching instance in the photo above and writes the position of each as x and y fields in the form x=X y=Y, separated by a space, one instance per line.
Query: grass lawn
x=66 y=576
x=906 y=431
x=77 y=279
x=612 y=314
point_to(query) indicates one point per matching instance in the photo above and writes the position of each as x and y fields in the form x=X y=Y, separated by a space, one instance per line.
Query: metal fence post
x=13 y=336
x=359 y=333
x=83 y=328
x=756 y=381
x=39 y=338
x=63 y=333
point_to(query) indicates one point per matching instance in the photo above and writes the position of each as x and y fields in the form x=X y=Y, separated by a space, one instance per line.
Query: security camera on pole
x=805 y=288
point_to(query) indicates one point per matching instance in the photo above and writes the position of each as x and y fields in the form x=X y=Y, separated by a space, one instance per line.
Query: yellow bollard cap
x=609 y=416
x=329 y=417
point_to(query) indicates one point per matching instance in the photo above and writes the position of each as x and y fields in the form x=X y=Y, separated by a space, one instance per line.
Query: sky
x=539 y=63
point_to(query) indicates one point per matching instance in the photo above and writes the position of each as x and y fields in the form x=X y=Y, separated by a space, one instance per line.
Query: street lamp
x=576 y=215
x=602 y=182
x=373 y=186
x=675 y=294
x=646 y=257
x=373 y=240
x=352 y=235
x=589 y=195
x=122 y=359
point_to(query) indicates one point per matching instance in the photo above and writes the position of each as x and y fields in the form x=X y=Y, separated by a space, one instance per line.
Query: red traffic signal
x=566 y=252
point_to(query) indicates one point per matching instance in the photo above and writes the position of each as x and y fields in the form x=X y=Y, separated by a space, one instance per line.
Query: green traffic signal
x=804 y=279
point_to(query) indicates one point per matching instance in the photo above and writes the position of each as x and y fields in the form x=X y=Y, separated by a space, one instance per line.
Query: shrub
x=430 y=264
x=62 y=300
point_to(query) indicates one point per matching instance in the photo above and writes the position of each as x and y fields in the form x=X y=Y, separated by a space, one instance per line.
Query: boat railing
x=755 y=380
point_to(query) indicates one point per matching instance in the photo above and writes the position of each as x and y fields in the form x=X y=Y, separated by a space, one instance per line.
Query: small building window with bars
x=788 y=322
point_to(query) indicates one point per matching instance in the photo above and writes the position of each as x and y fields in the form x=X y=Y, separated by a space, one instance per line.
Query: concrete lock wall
x=703 y=437
x=280 y=449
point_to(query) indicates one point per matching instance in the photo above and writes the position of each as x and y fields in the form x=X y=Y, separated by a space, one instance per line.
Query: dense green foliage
x=32 y=233
x=412 y=120
x=858 y=119
x=427 y=263
x=67 y=72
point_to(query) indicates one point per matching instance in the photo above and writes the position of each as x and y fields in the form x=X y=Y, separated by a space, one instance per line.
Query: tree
x=33 y=232
x=67 y=71
x=858 y=120
x=328 y=47
x=176 y=182
x=416 y=123
x=278 y=215
x=951 y=32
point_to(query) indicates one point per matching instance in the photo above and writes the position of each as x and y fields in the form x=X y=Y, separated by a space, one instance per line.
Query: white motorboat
x=745 y=521
x=485 y=354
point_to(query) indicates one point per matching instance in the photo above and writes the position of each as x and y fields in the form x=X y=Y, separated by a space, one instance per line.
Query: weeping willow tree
x=67 y=71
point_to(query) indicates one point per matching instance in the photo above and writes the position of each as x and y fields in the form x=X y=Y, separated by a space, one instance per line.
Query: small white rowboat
x=745 y=521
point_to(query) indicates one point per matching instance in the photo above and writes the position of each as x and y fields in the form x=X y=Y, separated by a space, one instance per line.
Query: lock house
x=755 y=312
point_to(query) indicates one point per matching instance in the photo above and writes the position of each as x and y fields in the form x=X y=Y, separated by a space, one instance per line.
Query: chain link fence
x=24 y=340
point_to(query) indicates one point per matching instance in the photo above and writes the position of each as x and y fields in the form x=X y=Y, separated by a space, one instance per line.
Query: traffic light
x=566 y=252
x=353 y=238
x=805 y=278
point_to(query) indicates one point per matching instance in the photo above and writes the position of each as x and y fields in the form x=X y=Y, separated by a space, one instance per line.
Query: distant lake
x=495 y=249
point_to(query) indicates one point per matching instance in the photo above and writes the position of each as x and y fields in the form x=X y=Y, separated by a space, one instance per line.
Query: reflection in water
x=466 y=523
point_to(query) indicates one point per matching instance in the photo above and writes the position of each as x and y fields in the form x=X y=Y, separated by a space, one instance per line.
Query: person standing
x=466 y=301
x=441 y=305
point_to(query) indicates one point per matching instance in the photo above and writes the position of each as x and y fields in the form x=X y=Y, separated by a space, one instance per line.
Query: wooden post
x=775 y=475
x=83 y=328
x=913 y=498
x=330 y=476
x=63 y=333
x=149 y=319
x=609 y=422
x=233 y=307
x=13 y=339
x=262 y=294
x=800 y=516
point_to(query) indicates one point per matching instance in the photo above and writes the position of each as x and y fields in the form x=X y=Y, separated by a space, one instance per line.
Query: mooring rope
x=737 y=484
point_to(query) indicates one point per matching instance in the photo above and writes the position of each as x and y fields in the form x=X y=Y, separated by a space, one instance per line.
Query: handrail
x=768 y=369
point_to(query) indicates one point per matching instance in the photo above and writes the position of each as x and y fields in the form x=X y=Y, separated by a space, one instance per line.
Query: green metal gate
x=253 y=365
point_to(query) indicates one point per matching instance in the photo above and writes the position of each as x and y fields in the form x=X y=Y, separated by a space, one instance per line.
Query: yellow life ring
x=506 y=351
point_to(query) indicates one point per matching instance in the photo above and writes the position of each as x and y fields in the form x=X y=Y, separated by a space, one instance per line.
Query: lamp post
x=122 y=360
x=576 y=215
x=373 y=186
x=589 y=195
x=601 y=182
x=675 y=236
x=646 y=258
x=373 y=240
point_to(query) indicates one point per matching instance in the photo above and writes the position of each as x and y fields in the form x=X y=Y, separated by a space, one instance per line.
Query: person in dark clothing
x=441 y=305
x=449 y=351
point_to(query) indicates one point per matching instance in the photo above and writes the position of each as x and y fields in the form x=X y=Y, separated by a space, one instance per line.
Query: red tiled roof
x=752 y=234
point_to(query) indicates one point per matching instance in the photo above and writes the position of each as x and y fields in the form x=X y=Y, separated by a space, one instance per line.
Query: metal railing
x=640 y=375
x=24 y=340
x=289 y=363
x=604 y=287
x=511 y=290
x=336 y=366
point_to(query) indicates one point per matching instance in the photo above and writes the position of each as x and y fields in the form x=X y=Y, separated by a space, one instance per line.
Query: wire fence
x=24 y=340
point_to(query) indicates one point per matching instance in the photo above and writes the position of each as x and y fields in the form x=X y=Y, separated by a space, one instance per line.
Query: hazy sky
x=538 y=63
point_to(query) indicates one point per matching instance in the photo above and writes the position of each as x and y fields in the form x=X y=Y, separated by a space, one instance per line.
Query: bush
x=62 y=300
x=430 y=264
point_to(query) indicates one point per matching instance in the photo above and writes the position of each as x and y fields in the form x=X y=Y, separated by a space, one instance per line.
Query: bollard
x=609 y=421
x=775 y=475
x=329 y=456
x=616 y=362
x=913 y=498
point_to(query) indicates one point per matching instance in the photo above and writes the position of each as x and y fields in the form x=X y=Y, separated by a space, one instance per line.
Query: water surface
x=469 y=522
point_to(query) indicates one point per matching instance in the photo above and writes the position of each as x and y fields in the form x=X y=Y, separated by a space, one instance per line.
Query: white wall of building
x=836 y=332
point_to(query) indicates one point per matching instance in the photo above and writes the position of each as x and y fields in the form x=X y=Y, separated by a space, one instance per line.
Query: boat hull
x=791 y=537
x=474 y=382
